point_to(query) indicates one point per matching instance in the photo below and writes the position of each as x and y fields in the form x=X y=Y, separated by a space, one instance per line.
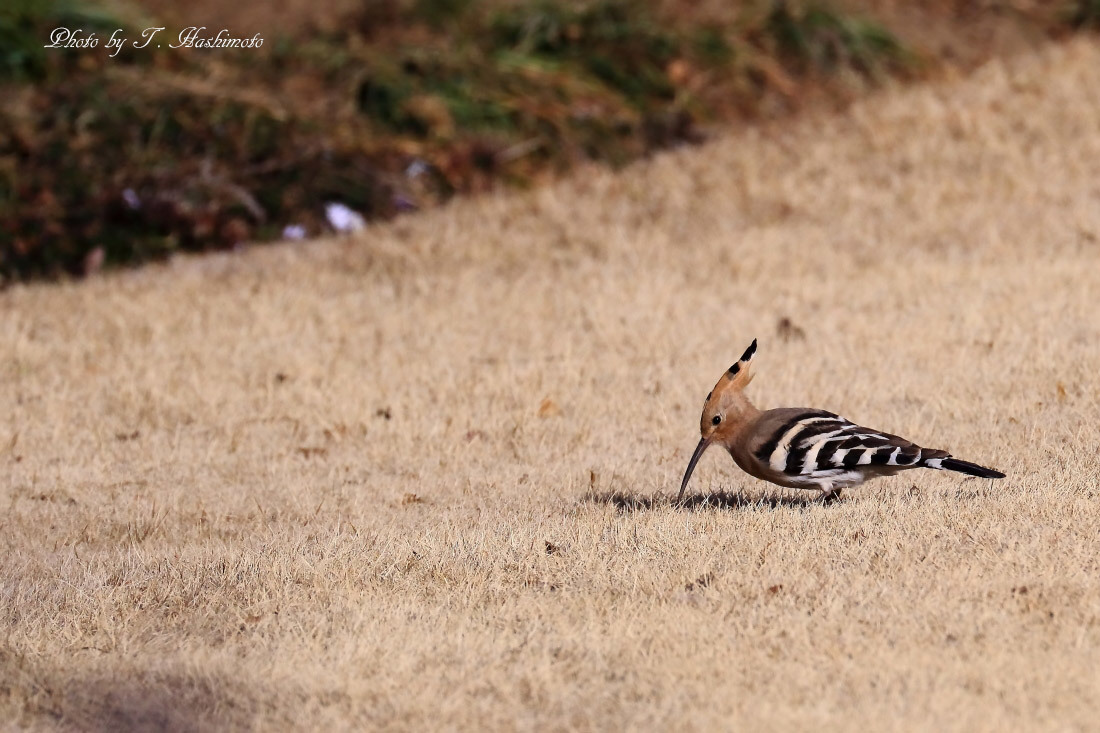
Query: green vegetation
x=24 y=30
x=122 y=160
x=818 y=37
x=1084 y=14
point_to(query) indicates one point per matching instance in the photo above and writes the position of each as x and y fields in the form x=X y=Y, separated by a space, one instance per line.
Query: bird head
x=722 y=409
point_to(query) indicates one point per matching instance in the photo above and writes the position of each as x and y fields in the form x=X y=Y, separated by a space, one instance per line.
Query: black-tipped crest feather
x=748 y=352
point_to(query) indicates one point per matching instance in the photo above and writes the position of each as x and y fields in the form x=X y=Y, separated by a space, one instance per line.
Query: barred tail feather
x=970 y=469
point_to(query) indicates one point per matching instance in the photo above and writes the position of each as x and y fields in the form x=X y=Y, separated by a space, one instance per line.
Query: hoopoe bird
x=802 y=448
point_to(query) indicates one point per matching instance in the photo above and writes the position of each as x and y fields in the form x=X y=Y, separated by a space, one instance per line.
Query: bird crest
x=738 y=376
x=726 y=407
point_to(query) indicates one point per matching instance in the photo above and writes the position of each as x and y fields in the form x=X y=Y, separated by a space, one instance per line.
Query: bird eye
x=716 y=419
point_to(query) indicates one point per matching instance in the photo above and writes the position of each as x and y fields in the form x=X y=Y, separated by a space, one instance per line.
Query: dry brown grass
x=423 y=479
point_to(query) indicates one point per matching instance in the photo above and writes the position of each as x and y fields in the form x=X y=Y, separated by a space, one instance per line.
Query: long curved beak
x=703 y=444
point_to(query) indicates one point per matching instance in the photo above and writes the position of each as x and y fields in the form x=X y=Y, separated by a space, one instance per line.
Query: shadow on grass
x=129 y=699
x=625 y=502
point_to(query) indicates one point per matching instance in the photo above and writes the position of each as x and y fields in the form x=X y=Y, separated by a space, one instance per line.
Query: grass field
x=424 y=478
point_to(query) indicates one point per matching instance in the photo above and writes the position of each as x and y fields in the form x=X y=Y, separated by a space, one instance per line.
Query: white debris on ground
x=344 y=219
x=294 y=231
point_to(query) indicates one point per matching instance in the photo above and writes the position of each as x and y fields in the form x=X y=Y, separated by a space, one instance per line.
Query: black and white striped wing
x=817 y=447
